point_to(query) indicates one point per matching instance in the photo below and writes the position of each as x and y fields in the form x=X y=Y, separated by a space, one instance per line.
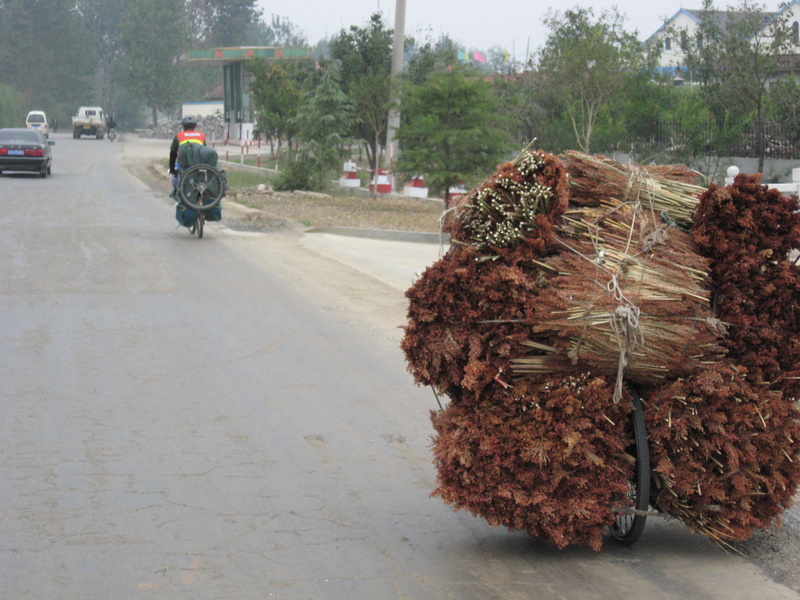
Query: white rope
x=625 y=323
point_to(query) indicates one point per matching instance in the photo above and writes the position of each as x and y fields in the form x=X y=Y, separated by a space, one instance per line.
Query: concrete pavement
x=394 y=258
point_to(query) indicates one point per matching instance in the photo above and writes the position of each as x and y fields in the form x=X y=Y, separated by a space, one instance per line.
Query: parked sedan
x=25 y=150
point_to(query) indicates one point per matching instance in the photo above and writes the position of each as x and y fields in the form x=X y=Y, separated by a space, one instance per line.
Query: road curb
x=384 y=234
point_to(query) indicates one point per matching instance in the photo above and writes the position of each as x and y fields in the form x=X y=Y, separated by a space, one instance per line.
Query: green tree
x=153 y=36
x=103 y=18
x=221 y=22
x=365 y=55
x=426 y=58
x=45 y=53
x=323 y=121
x=783 y=102
x=586 y=63
x=450 y=129
x=280 y=31
x=734 y=59
x=12 y=107
x=276 y=90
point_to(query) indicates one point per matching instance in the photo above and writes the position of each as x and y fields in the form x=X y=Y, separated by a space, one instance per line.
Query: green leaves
x=587 y=63
x=450 y=129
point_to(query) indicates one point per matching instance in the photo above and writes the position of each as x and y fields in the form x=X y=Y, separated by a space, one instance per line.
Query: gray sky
x=515 y=25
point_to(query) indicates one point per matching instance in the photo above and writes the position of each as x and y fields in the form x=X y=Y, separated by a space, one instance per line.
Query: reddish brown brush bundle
x=724 y=453
x=464 y=314
x=747 y=231
x=541 y=308
x=601 y=290
x=547 y=457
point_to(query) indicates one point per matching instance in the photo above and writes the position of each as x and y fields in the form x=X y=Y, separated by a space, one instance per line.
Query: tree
x=783 y=102
x=365 y=55
x=46 y=54
x=12 y=107
x=103 y=18
x=276 y=90
x=323 y=121
x=221 y=22
x=429 y=57
x=585 y=64
x=280 y=31
x=153 y=36
x=733 y=60
x=450 y=129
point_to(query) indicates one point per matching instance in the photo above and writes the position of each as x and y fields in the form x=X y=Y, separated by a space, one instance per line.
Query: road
x=231 y=418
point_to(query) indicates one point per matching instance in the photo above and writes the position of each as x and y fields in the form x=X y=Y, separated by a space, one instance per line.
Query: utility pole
x=398 y=51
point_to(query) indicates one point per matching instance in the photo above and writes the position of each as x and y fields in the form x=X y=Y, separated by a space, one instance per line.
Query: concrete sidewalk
x=394 y=258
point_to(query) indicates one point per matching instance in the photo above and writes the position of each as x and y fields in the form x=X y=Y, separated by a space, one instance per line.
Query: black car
x=25 y=150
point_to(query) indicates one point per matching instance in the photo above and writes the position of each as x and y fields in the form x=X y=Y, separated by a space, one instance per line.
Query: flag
x=479 y=57
x=462 y=56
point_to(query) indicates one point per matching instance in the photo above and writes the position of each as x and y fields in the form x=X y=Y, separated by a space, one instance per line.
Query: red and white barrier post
x=416 y=188
x=380 y=183
x=349 y=176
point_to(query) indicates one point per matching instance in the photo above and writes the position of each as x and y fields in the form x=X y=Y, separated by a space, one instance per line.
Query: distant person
x=185 y=215
x=189 y=135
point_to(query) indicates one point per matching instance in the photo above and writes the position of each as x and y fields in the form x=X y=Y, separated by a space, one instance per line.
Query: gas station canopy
x=223 y=56
x=238 y=115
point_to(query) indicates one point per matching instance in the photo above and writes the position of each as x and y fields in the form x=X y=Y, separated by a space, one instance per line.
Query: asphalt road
x=230 y=418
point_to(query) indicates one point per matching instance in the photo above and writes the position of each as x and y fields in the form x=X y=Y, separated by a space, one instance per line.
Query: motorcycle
x=112 y=134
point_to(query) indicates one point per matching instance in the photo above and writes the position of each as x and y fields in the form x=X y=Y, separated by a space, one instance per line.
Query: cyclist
x=179 y=154
x=189 y=135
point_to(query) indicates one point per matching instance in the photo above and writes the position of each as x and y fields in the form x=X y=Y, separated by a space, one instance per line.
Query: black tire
x=201 y=187
x=628 y=526
x=199 y=224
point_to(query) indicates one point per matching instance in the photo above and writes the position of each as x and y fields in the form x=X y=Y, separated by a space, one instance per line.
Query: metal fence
x=672 y=137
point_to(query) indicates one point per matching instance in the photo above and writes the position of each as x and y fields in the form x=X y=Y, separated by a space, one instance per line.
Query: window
x=684 y=40
x=667 y=44
x=796 y=33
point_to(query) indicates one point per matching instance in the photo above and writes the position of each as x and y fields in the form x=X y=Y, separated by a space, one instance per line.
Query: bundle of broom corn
x=570 y=275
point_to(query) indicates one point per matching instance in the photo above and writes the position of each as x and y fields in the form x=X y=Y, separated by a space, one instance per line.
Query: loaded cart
x=613 y=341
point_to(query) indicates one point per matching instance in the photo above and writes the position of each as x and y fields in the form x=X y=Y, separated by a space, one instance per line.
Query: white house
x=678 y=30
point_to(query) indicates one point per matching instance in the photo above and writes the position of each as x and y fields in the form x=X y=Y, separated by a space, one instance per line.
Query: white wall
x=201 y=109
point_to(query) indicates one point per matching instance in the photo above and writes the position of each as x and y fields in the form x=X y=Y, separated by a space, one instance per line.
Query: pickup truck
x=90 y=120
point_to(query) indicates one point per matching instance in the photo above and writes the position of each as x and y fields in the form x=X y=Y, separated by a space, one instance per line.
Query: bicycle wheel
x=199 y=224
x=629 y=524
x=201 y=187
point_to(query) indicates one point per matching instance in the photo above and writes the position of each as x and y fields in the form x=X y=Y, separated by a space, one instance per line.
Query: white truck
x=90 y=120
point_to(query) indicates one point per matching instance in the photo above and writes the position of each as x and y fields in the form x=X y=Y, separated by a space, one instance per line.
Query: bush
x=303 y=172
